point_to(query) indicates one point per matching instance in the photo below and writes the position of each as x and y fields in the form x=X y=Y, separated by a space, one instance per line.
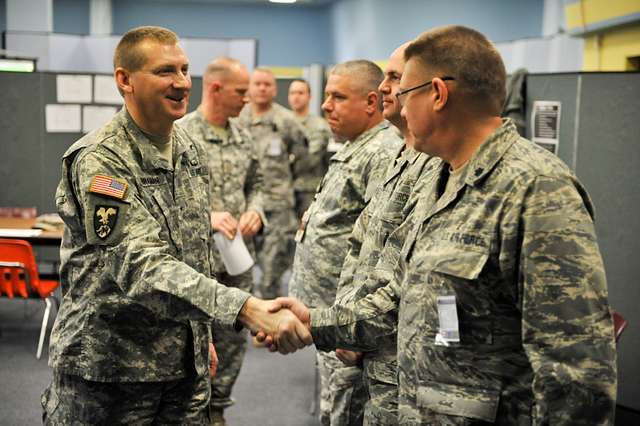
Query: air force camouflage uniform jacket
x=354 y=175
x=369 y=250
x=514 y=243
x=137 y=303
x=235 y=175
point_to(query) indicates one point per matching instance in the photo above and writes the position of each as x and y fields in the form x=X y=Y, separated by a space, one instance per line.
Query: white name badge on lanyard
x=275 y=147
x=448 y=330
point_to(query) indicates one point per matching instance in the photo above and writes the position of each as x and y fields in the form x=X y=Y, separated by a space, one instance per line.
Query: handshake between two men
x=282 y=324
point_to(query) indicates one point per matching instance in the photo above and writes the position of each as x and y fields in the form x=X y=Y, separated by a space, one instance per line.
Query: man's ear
x=441 y=94
x=214 y=86
x=123 y=80
x=373 y=102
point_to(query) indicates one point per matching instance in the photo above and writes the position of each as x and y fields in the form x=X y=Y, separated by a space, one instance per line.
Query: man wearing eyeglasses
x=500 y=296
x=236 y=199
x=353 y=107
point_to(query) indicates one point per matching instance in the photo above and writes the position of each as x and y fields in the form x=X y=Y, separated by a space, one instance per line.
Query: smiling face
x=390 y=86
x=157 y=94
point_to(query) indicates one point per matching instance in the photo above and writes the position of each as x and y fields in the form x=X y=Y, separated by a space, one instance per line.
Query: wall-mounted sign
x=545 y=122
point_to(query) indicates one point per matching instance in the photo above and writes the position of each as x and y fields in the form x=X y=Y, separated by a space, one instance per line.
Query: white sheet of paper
x=234 y=253
x=19 y=233
x=63 y=118
x=73 y=88
x=94 y=117
x=105 y=90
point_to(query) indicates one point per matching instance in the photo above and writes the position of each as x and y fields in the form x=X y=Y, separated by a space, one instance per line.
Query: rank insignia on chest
x=108 y=186
x=104 y=220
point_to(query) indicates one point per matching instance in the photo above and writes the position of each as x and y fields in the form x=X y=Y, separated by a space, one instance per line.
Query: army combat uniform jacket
x=512 y=246
x=137 y=303
x=278 y=138
x=235 y=175
x=312 y=167
x=353 y=177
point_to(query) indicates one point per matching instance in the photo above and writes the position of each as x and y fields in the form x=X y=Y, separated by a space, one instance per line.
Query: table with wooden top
x=45 y=238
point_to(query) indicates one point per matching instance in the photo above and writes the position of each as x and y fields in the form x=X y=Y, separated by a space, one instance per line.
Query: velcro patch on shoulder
x=109 y=186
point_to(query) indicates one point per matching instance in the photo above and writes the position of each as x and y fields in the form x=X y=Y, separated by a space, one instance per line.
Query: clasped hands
x=282 y=324
x=248 y=225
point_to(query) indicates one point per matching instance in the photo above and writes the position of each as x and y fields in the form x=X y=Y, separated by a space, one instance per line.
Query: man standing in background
x=311 y=168
x=278 y=137
x=235 y=196
x=353 y=107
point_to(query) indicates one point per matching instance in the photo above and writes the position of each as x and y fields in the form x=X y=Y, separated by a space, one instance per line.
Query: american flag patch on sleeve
x=109 y=186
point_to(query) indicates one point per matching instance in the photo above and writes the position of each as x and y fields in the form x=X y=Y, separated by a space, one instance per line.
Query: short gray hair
x=366 y=76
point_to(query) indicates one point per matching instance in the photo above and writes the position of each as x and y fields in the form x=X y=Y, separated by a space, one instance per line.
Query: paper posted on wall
x=545 y=124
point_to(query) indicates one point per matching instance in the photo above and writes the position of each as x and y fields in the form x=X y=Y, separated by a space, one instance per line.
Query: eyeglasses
x=420 y=86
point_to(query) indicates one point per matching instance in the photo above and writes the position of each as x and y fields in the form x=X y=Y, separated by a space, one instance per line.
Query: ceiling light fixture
x=282 y=1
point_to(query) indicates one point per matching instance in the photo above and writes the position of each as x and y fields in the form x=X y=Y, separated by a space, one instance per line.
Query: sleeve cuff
x=323 y=328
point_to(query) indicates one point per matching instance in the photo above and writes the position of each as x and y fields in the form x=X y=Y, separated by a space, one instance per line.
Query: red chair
x=619 y=324
x=19 y=276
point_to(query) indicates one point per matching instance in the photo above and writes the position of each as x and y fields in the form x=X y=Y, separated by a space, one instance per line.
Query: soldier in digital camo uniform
x=236 y=199
x=353 y=110
x=312 y=167
x=131 y=342
x=388 y=207
x=280 y=142
x=500 y=296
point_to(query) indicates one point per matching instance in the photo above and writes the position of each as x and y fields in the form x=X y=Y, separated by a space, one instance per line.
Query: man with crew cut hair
x=131 y=342
x=353 y=107
x=312 y=166
x=281 y=143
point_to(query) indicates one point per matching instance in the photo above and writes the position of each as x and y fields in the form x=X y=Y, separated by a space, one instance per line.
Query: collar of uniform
x=352 y=146
x=266 y=118
x=149 y=153
x=303 y=120
x=207 y=130
x=412 y=155
x=491 y=151
x=234 y=131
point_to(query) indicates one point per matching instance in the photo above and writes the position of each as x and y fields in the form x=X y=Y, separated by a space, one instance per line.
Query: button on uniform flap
x=456 y=400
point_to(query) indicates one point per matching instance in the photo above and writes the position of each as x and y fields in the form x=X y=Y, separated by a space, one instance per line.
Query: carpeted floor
x=272 y=389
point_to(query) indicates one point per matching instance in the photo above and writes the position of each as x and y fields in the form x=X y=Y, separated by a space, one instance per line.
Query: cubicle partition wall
x=599 y=139
x=30 y=155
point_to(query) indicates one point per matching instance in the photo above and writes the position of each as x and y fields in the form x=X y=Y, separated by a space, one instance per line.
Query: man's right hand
x=294 y=305
x=285 y=331
x=225 y=223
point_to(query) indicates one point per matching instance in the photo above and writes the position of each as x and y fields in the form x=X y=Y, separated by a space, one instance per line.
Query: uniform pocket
x=462 y=401
x=385 y=372
x=466 y=264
